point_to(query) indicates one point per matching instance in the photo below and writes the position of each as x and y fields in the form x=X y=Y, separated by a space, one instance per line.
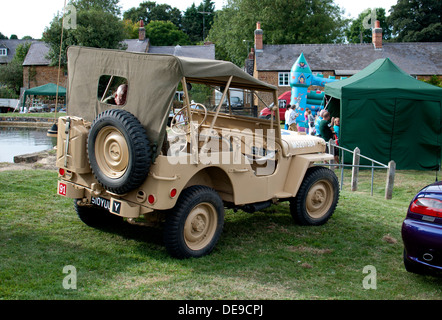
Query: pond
x=18 y=141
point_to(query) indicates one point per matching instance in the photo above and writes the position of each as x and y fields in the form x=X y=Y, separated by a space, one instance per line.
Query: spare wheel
x=119 y=151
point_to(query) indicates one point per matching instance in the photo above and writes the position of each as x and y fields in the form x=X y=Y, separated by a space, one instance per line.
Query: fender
x=298 y=167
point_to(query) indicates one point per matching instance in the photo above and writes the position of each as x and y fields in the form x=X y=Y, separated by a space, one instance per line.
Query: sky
x=30 y=17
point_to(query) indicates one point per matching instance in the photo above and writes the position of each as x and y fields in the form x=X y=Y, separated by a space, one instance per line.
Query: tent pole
x=53 y=131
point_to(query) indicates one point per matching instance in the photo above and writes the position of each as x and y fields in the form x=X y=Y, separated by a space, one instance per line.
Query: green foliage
x=353 y=32
x=283 y=22
x=110 y=6
x=94 y=28
x=417 y=20
x=165 y=33
x=197 y=21
x=435 y=81
x=11 y=74
x=150 y=11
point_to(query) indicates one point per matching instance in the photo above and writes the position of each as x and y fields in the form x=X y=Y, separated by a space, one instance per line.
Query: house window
x=283 y=79
x=3 y=52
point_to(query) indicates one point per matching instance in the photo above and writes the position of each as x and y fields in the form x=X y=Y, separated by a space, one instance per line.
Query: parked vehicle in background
x=422 y=231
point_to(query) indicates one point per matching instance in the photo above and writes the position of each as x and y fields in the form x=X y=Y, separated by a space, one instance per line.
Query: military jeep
x=121 y=162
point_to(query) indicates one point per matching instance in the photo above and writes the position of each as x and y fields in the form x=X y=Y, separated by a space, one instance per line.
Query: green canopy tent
x=49 y=89
x=389 y=115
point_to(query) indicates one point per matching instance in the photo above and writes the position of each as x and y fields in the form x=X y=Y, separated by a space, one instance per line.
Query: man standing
x=327 y=133
x=324 y=127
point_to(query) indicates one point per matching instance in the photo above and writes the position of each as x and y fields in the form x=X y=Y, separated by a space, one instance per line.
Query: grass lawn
x=259 y=256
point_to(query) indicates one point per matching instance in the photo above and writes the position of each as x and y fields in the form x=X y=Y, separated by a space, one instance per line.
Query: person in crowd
x=327 y=133
x=310 y=122
x=292 y=119
x=286 y=115
x=317 y=122
x=336 y=125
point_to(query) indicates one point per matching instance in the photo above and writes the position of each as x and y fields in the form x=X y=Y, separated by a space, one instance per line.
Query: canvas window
x=3 y=52
x=112 y=90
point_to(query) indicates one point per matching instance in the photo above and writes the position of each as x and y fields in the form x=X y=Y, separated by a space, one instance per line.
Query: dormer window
x=3 y=51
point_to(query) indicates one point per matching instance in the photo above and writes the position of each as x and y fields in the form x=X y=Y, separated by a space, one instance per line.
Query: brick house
x=272 y=63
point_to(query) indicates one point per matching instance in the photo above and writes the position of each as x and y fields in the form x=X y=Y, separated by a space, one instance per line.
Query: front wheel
x=194 y=225
x=317 y=197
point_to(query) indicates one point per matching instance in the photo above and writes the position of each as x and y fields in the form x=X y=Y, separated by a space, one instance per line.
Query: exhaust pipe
x=427 y=257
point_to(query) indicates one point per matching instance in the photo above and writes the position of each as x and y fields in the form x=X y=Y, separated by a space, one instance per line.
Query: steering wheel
x=180 y=121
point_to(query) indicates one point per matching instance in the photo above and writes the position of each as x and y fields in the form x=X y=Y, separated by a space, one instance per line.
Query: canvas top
x=152 y=82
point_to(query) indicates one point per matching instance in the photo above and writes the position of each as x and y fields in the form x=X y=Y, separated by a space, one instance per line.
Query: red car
x=284 y=100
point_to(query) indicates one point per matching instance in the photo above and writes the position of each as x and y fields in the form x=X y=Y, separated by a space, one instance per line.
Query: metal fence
x=390 y=167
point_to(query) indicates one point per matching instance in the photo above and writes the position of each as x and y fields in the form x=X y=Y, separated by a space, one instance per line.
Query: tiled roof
x=11 y=45
x=37 y=55
x=346 y=59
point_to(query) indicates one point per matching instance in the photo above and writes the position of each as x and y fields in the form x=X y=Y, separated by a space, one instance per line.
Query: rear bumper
x=423 y=243
x=113 y=204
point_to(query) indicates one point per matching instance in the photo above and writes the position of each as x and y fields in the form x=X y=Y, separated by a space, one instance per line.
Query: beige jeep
x=122 y=161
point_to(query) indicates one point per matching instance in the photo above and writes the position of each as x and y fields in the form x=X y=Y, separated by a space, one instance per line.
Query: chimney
x=141 y=32
x=377 y=35
x=258 y=37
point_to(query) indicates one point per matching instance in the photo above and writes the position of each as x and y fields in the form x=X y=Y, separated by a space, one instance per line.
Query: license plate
x=101 y=202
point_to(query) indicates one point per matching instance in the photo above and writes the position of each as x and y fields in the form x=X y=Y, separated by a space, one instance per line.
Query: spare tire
x=119 y=151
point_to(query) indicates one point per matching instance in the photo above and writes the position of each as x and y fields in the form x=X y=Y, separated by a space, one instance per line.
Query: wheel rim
x=319 y=199
x=111 y=152
x=200 y=226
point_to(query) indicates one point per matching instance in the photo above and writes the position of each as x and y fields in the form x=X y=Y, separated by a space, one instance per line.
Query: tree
x=94 y=28
x=165 y=33
x=110 y=6
x=357 y=29
x=150 y=11
x=417 y=20
x=197 y=21
x=11 y=74
x=284 y=22
x=3 y=37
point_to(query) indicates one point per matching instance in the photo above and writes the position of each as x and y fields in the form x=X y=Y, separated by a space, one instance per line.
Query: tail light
x=427 y=206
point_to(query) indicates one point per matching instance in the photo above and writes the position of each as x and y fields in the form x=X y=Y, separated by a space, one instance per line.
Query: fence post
x=355 y=169
x=390 y=180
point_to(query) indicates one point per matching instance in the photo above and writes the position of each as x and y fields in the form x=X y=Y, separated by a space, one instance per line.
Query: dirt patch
x=44 y=160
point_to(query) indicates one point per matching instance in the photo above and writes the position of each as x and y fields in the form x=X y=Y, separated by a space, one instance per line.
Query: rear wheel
x=194 y=225
x=317 y=197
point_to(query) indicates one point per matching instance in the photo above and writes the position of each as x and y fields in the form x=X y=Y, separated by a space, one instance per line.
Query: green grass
x=259 y=256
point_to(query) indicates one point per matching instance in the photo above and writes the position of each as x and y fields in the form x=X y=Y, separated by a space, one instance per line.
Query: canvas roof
x=152 y=82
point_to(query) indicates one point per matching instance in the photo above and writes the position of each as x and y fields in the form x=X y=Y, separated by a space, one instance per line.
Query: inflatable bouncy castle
x=301 y=77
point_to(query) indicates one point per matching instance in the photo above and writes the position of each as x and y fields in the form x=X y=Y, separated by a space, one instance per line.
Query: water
x=18 y=141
